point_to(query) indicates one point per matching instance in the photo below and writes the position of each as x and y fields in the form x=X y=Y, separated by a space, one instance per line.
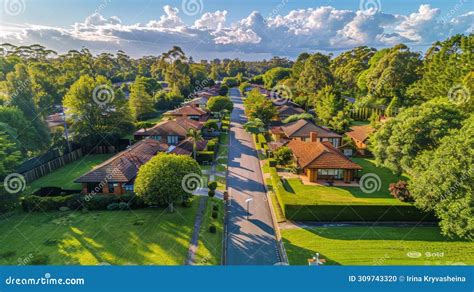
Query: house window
x=336 y=173
x=158 y=138
x=128 y=187
x=112 y=187
x=172 y=140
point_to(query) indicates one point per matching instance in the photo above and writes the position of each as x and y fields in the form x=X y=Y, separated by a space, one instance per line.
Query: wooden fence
x=51 y=165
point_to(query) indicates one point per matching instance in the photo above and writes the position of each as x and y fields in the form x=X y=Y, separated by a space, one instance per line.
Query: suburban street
x=249 y=242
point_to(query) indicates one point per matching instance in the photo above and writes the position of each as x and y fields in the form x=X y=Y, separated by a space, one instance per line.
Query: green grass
x=299 y=194
x=266 y=167
x=273 y=198
x=64 y=177
x=206 y=167
x=360 y=123
x=210 y=245
x=76 y=238
x=157 y=118
x=375 y=246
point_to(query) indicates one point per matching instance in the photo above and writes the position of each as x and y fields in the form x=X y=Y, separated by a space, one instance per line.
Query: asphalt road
x=249 y=242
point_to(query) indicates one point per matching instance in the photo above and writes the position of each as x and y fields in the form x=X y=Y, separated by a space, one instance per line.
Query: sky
x=245 y=29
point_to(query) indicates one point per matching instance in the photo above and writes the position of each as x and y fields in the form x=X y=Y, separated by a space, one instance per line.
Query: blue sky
x=244 y=28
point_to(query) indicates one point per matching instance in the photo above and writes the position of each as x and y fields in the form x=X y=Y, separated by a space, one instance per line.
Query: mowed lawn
x=299 y=194
x=376 y=246
x=64 y=177
x=136 y=237
x=210 y=245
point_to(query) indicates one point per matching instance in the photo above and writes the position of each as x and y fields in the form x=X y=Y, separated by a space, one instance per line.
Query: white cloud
x=323 y=28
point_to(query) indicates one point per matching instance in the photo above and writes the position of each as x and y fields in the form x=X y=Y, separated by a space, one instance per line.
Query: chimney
x=313 y=136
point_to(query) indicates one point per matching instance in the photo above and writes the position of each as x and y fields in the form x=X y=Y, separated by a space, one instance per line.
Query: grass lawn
x=299 y=194
x=210 y=245
x=142 y=237
x=64 y=177
x=375 y=246
x=360 y=123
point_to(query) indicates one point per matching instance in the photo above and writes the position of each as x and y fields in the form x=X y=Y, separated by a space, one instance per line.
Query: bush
x=144 y=125
x=33 y=203
x=205 y=156
x=283 y=155
x=123 y=206
x=215 y=207
x=8 y=202
x=272 y=163
x=223 y=90
x=113 y=206
x=187 y=203
x=211 y=193
x=400 y=191
x=230 y=81
x=214 y=215
x=212 y=229
x=212 y=185
x=8 y=254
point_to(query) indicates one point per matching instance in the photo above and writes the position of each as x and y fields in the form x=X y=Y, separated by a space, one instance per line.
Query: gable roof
x=303 y=128
x=320 y=155
x=286 y=110
x=360 y=133
x=187 y=144
x=124 y=166
x=177 y=127
x=188 y=110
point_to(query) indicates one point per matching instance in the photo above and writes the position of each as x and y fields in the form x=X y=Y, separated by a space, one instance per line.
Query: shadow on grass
x=298 y=255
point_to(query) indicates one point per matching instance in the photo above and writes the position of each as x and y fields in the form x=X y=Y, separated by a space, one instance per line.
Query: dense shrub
x=123 y=206
x=283 y=155
x=215 y=207
x=211 y=193
x=113 y=206
x=187 y=203
x=8 y=202
x=212 y=185
x=212 y=229
x=223 y=90
x=214 y=214
x=35 y=203
x=272 y=162
x=230 y=81
x=39 y=259
x=205 y=156
x=53 y=192
x=400 y=191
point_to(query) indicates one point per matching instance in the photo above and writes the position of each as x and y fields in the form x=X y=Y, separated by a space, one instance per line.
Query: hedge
x=205 y=156
x=355 y=213
x=277 y=188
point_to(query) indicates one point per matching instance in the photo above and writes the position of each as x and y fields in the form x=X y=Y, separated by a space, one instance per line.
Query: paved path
x=195 y=237
x=249 y=242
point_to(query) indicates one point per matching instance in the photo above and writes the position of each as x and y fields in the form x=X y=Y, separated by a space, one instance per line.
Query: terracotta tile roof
x=188 y=110
x=276 y=130
x=320 y=155
x=177 y=127
x=179 y=151
x=187 y=144
x=303 y=128
x=360 y=133
x=123 y=167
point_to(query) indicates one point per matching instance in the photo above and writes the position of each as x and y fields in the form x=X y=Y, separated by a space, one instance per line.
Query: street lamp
x=248 y=206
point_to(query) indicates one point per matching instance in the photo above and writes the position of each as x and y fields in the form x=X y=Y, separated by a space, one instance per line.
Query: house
x=200 y=102
x=192 y=112
x=301 y=129
x=322 y=161
x=360 y=135
x=170 y=132
x=284 y=111
x=117 y=174
x=185 y=147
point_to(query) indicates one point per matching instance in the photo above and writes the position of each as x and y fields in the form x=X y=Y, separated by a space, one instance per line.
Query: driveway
x=249 y=242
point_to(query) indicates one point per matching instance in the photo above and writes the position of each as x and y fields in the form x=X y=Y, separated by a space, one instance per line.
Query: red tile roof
x=188 y=110
x=123 y=167
x=360 y=133
x=177 y=127
x=303 y=128
x=320 y=155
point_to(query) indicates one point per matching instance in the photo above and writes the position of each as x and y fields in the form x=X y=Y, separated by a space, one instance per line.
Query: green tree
x=328 y=103
x=315 y=75
x=220 y=104
x=283 y=155
x=274 y=75
x=341 y=122
x=255 y=126
x=257 y=106
x=420 y=128
x=142 y=104
x=97 y=120
x=295 y=117
x=196 y=137
x=10 y=156
x=161 y=180
x=444 y=182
